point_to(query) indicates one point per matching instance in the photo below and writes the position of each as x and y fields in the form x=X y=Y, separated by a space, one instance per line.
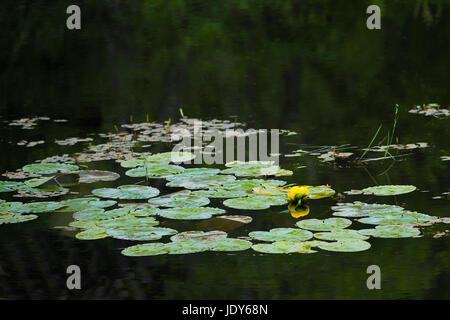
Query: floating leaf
x=278 y=234
x=249 y=184
x=254 y=163
x=255 y=168
x=99 y=214
x=127 y=192
x=220 y=193
x=194 y=172
x=180 y=200
x=175 y=157
x=154 y=171
x=391 y=232
x=229 y=244
x=199 y=182
x=396 y=218
x=324 y=225
x=199 y=235
x=127 y=222
x=83 y=224
x=187 y=246
x=144 y=212
x=255 y=202
x=7 y=218
x=78 y=204
x=36 y=182
x=320 y=192
x=361 y=209
x=49 y=168
x=132 y=163
x=92 y=234
x=190 y=213
x=38 y=207
x=348 y=245
x=284 y=247
x=8 y=186
x=140 y=234
x=90 y=176
x=340 y=234
x=148 y=249
x=389 y=190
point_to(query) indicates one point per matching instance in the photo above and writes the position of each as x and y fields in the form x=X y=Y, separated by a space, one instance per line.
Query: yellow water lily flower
x=298 y=193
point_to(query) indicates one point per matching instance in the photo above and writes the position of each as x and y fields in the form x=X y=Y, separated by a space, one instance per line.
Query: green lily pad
x=145 y=212
x=324 y=225
x=49 y=168
x=391 y=232
x=99 y=214
x=389 y=190
x=84 y=224
x=127 y=192
x=37 y=182
x=140 y=233
x=199 y=235
x=187 y=246
x=220 y=193
x=361 y=209
x=229 y=244
x=255 y=202
x=197 y=213
x=13 y=207
x=396 y=218
x=92 y=234
x=250 y=169
x=159 y=170
x=180 y=200
x=78 y=204
x=91 y=176
x=9 y=186
x=275 y=200
x=38 y=207
x=132 y=163
x=320 y=192
x=195 y=172
x=127 y=222
x=147 y=249
x=199 y=182
x=175 y=157
x=348 y=245
x=16 y=218
x=283 y=247
x=255 y=163
x=340 y=234
x=249 y=184
x=278 y=234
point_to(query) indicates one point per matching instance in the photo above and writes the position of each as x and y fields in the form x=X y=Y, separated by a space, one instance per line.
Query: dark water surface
x=308 y=66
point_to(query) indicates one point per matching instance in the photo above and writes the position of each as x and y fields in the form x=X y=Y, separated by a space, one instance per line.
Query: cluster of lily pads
x=251 y=185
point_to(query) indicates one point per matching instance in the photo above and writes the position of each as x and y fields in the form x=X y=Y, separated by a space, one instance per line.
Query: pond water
x=311 y=67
